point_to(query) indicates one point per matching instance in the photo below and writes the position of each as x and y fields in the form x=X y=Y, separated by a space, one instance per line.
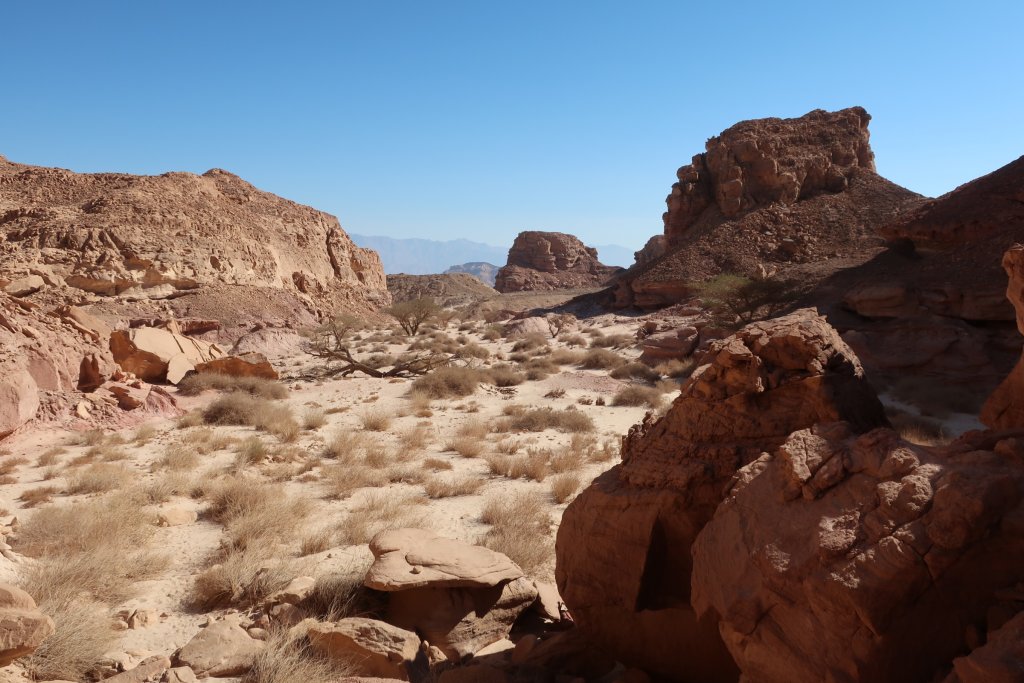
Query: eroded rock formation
x=1005 y=408
x=450 y=290
x=623 y=547
x=799 y=196
x=542 y=261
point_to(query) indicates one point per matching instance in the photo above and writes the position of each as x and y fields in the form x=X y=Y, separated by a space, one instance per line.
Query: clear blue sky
x=480 y=119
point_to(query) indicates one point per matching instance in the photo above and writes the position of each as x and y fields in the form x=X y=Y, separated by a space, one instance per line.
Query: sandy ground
x=345 y=401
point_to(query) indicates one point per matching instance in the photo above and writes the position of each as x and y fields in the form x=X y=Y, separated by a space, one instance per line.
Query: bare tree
x=558 y=322
x=330 y=342
x=411 y=314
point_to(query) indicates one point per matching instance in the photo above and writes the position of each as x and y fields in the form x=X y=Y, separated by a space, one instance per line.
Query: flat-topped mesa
x=158 y=237
x=544 y=261
x=770 y=161
x=796 y=197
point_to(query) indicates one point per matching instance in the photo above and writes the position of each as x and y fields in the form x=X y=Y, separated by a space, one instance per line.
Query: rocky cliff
x=122 y=238
x=450 y=290
x=543 y=261
x=771 y=527
x=798 y=197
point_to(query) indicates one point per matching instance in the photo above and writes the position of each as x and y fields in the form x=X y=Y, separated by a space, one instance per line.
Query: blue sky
x=481 y=119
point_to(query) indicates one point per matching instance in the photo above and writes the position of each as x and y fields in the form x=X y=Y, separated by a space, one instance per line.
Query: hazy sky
x=480 y=119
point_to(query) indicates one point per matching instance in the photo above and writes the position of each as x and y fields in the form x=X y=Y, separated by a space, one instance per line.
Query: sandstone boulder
x=22 y=626
x=461 y=621
x=221 y=649
x=623 y=548
x=25 y=286
x=845 y=557
x=375 y=647
x=151 y=669
x=1005 y=408
x=157 y=355
x=244 y=365
x=999 y=660
x=541 y=261
x=414 y=558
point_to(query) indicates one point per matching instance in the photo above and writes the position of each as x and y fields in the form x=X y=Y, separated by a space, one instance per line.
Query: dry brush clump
x=375 y=420
x=638 y=396
x=447 y=382
x=520 y=528
x=601 y=359
x=636 y=370
x=260 y=387
x=98 y=478
x=567 y=420
x=377 y=511
x=564 y=486
x=245 y=410
x=288 y=657
x=451 y=486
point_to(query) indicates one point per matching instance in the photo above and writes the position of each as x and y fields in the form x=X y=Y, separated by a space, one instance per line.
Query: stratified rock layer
x=623 y=546
x=542 y=261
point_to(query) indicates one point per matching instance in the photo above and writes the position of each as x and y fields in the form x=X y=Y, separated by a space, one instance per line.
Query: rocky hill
x=417 y=256
x=485 y=272
x=211 y=246
x=799 y=197
x=544 y=261
x=450 y=290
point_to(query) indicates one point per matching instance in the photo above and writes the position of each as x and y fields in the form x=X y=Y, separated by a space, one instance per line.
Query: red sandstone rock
x=540 y=261
x=243 y=365
x=1005 y=408
x=22 y=627
x=623 y=547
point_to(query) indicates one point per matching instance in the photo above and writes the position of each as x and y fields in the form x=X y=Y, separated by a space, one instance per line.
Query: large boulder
x=157 y=355
x=623 y=548
x=374 y=647
x=839 y=557
x=221 y=649
x=459 y=597
x=23 y=628
x=1005 y=408
x=543 y=261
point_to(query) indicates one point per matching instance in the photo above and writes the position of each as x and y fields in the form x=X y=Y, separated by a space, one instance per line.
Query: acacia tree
x=411 y=314
x=558 y=322
x=735 y=300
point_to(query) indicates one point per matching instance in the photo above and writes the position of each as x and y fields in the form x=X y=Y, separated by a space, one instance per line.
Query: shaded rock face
x=623 y=548
x=485 y=272
x=795 y=196
x=1005 y=408
x=542 y=261
x=863 y=558
x=154 y=237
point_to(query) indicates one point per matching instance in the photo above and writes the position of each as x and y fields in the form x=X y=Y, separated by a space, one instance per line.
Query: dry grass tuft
x=567 y=420
x=254 y=386
x=50 y=457
x=375 y=420
x=564 y=486
x=636 y=370
x=98 y=478
x=449 y=487
x=520 y=528
x=466 y=446
x=380 y=510
x=287 y=657
x=84 y=633
x=450 y=382
x=178 y=458
x=415 y=438
x=436 y=464
x=676 y=369
x=31 y=498
x=313 y=418
x=505 y=376
x=344 y=478
x=601 y=359
x=638 y=396
x=346 y=446
x=144 y=434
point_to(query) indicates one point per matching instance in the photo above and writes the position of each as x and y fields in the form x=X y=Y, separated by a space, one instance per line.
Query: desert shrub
x=520 y=528
x=573 y=340
x=40 y=495
x=466 y=446
x=637 y=396
x=636 y=370
x=448 y=382
x=564 y=486
x=241 y=577
x=492 y=333
x=918 y=430
x=412 y=314
x=345 y=446
x=507 y=446
x=616 y=341
x=98 y=478
x=531 y=465
x=505 y=376
x=416 y=437
x=436 y=464
x=530 y=342
x=555 y=393
x=342 y=594
x=143 y=435
x=472 y=350
x=258 y=387
x=737 y=300
x=10 y=464
x=92 y=437
x=565 y=357
x=539 y=419
x=243 y=409
x=676 y=369
x=378 y=511
x=288 y=657
x=250 y=452
x=341 y=480
x=178 y=457
x=83 y=634
x=375 y=420
x=448 y=487
x=568 y=458
x=601 y=359
x=50 y=456
x=313 y=418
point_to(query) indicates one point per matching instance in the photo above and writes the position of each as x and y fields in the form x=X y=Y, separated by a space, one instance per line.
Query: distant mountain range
x=426 y=257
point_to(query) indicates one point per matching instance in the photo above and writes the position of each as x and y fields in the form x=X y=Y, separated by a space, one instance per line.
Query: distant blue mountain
x=426 y=257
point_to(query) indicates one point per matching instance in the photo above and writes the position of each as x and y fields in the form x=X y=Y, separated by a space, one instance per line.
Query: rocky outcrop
x=542 y=261
x=142 y=238
x=450 y=290
x=157 y=355
x=485 y=272
x=374 y=648
x=863 y=558
x=623 y=547
x=1005 y=408
x=23 y=628
x=797 y=196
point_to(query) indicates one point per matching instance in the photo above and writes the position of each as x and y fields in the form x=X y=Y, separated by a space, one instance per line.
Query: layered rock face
x=771 y=527
x=1005 y=407
x=158 y=237
x=624 y=544
x=798 y=196
x=543 y=261
x=485 y=272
